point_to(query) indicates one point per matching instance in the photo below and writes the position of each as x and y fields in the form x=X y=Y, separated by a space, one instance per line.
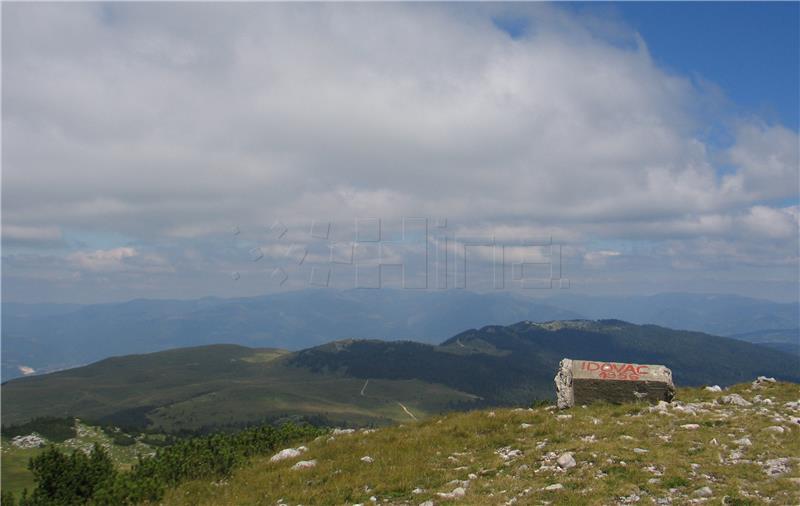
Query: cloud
x=102 y=260
x=769 y=162
x=118 y=260
x=126 y=119
x=599 y=258
x=772 y=223
x=17 y=234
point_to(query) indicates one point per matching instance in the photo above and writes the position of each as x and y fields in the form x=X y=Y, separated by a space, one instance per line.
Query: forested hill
x=515 y=362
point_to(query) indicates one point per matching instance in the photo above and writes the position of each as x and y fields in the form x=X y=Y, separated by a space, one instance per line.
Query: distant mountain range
x=370 y=381
x=48 y=337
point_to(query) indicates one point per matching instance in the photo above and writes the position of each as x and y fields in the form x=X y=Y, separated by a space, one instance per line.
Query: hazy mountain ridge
x=293 y=320
x=718 y=314
x=56 y=336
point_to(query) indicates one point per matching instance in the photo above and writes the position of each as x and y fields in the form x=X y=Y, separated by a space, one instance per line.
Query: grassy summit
x=699 y=449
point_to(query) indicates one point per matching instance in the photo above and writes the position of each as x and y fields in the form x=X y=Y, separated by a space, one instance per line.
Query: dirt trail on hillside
x=409 y=413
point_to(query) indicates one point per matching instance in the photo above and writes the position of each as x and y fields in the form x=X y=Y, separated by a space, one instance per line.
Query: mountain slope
x=219 y=385
x=368 y=381
x=622 y=455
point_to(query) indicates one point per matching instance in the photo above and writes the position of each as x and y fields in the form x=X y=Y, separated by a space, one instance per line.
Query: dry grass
x=430 y=454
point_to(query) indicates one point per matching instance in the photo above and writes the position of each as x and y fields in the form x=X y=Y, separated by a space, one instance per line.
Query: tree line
x=91 y=479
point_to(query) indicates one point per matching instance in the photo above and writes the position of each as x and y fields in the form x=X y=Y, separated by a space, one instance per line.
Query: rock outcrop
x=583 y=382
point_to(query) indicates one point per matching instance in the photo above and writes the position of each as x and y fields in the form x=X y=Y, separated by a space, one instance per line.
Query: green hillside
x=189 y=389
x=696 y=450
x=357 y=382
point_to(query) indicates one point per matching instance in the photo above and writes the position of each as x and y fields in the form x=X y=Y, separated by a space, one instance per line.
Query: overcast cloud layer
x=136 y=136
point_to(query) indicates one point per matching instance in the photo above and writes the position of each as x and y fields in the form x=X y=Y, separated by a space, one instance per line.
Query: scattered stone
x=653 y=469
x=640 y=450
x=457 y=493
x=339 y=432
x=32 y=440
x=566 y=461
x=582 y=382
x=367 y=459
x=508 y=453
x=554 y=486
x=761 y=381
x=776 y=467
x=690 y=426
x=776 y=429
x=745 y=441
x=630 y=499
x=491 y=414
x=563 y=417
x=735 y=399
x=304 y=464
x=704 y=492
x=736 y=456
x=525 y=425
x=763 y=400
x=288 y=453
x=661 y=407
x=426 y=503
x=418 y=491
x=715 y=388
x=687 y=410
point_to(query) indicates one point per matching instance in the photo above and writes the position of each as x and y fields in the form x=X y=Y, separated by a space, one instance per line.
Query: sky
x=173 y=150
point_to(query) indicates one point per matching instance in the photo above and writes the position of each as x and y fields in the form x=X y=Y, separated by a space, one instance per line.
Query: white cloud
x=600 y=257
x=769 y=162
x=102 y=260
x=32 y=234
x=126 y=119
x=772 y=223
x=122 y=259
